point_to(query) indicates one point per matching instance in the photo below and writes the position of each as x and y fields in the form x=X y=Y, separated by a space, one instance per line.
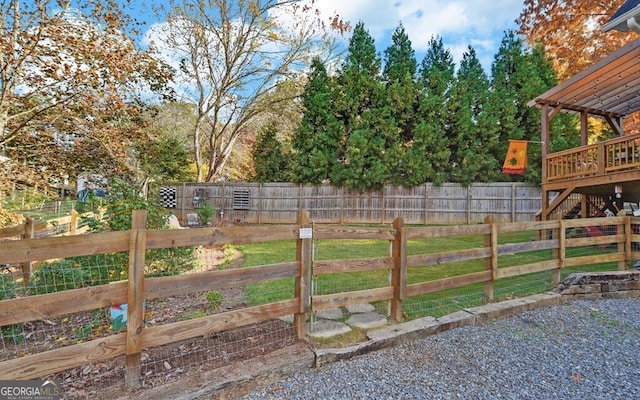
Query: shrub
x=205 y=213
x=119 y=204
x=56 y=277
x=14 y=332
x=8 y=289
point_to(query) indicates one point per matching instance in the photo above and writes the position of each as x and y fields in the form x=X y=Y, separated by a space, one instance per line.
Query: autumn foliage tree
x=69 y=80
x=570 y=31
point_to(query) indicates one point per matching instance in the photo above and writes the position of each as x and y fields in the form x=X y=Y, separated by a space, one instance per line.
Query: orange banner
x=515 y=163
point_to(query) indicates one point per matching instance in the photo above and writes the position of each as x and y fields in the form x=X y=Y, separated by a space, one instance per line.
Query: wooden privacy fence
x=448 y=203
x=555 y=237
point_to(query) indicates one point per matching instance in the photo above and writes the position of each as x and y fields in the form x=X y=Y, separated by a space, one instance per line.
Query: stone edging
x=605 y=285
x=234 y=381
x=423 y=327
x=601 y=285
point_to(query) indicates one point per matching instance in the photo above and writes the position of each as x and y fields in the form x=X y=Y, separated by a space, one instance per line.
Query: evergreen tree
x=437 y=73
x=564 y=132
x=317 y=141
x=400 y=108
x=400 y=61
x=475 y=136
x=510 y=73
x=361 y=91
x=164 y=159
x=518 y=77
x=270 y=162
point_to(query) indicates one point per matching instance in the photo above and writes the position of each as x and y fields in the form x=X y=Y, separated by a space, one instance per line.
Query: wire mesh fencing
x=361 y=278
x=448 y=269
x=158 y=364
x=587 y=248
x=67 y=328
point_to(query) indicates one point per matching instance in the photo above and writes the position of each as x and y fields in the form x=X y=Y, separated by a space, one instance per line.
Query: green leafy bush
x=8 y=289
x=167 y=262
x=13 y=332
x=121 y=200
x=205 y=213
x=56 y=277
x=99 y=269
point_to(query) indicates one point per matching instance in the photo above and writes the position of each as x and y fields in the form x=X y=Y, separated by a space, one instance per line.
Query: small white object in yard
x=174 y=223
x=636 y=266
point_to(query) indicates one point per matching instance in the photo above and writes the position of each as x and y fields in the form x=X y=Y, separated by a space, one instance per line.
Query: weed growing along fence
x=411 y=271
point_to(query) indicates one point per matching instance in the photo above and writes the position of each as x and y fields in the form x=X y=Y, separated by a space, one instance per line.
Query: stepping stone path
x=327 y=328
x=362 y=316
x=332 y=313
x=367 y=320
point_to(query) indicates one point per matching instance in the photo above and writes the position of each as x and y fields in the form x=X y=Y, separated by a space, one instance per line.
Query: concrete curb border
x=423 y=327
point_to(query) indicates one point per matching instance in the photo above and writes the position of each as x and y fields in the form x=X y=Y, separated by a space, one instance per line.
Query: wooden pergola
x=608 y=89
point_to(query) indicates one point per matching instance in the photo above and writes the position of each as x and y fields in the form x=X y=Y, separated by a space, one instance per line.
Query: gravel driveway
x=576 y=350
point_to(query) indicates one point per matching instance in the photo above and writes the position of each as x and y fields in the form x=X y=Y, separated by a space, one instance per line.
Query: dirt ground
x=182 y=364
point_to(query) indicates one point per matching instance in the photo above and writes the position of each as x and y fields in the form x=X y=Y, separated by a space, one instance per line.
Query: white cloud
x=480 y=23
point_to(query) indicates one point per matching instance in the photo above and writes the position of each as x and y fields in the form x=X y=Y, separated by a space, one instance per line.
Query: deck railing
x=613 y=155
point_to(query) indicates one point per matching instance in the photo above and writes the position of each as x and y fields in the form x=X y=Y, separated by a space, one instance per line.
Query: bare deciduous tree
x=231 y=56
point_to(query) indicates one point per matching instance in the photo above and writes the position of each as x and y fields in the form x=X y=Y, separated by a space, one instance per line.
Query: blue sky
x=479 y=23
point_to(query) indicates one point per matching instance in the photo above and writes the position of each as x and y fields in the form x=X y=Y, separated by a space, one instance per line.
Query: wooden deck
x=595 y=170
x=608 y=89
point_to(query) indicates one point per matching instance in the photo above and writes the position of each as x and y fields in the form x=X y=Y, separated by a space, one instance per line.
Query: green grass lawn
x=434 y=304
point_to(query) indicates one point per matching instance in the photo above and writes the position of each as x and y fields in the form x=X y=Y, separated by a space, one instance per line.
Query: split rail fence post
x=29 y=233
x=399 y=273
x=560 y=253
x=622 y=246
x=73 y=222
x=493 y=257
x=628 y=250
x=303 y=283
x=135 y=298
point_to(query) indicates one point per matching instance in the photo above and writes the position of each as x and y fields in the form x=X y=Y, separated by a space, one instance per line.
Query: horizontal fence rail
x=67 y=225
x=419 y=262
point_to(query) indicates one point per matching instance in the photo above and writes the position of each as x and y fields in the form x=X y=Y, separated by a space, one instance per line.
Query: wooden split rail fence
x=550 y=236
x=30 y=229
